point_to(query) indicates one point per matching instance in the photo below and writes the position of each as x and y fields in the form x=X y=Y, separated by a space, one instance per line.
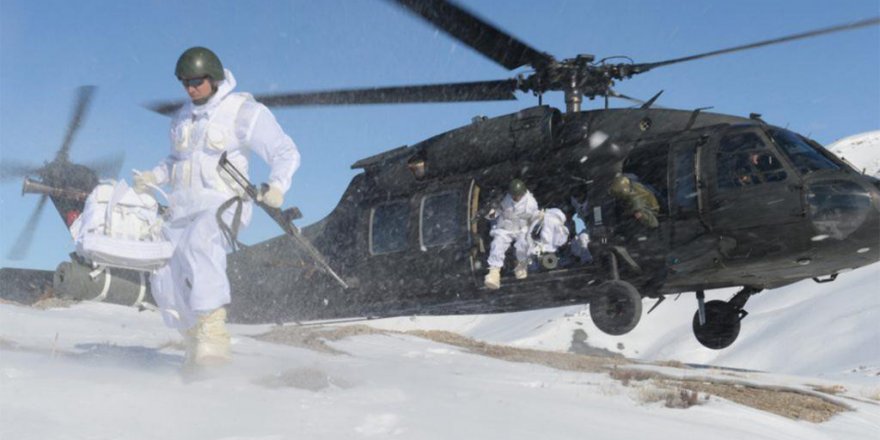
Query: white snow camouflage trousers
x=194 y=281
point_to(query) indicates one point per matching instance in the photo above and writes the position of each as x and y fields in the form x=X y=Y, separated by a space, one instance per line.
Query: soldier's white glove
x=143 y=180
x=272 y=197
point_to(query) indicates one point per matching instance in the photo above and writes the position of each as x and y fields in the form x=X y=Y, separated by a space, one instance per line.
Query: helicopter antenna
x=650 y=102
x=694 y=115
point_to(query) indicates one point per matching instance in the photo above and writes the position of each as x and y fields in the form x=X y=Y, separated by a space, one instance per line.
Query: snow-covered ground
x=100 y=371
x=806 y=366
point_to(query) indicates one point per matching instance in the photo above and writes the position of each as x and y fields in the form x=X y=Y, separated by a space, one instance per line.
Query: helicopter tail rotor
x=60 y=172
x=10 y=169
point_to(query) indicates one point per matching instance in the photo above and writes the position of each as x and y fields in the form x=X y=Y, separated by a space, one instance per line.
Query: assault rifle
x=283 y=218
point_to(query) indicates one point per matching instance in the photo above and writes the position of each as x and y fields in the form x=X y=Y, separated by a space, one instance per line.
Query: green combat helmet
x=197 y=62
x=620 y=186
x=517 y=188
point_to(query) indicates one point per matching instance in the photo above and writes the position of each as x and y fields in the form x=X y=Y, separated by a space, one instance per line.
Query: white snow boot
x=207 y=343
x=522 y=270
x=493 y=278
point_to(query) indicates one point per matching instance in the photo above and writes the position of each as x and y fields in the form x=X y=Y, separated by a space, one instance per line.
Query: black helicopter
x=404 y=244
x=410 y=245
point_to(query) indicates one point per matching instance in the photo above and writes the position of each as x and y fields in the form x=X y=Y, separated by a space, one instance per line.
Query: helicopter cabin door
x=444 y=241
x=691 y=248
x=754 y=197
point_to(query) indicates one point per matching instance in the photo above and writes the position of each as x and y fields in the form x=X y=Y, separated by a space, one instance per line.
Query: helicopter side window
x=389 y=224
x=804 y=157
x=744 y=160
x=442 y=219
x=685 y=183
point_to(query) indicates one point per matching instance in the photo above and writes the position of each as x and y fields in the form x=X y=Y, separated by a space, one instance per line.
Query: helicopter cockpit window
x=442 y=219
x=803 y=155
x=744 y=160
x=389 y=223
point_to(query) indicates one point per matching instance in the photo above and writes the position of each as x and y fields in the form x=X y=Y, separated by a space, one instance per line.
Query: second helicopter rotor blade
x=84 y=98
x=477 y=33
x=644 y=67
x=499 y=90
x=19 y=250
x=15 y=170
x=108 y=166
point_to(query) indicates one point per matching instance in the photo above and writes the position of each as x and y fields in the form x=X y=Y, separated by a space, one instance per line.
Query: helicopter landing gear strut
x=616 y=307
x=716 y=323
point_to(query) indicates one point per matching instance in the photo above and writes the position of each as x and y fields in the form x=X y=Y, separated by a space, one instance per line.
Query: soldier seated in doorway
x=511 y=222
x=638 y=201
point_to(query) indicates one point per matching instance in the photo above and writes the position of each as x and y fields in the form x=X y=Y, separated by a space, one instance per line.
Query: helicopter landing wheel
x=721 y=327
x=616 y=308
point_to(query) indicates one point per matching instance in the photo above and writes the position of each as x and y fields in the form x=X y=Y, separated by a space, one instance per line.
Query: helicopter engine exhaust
x=31 y=186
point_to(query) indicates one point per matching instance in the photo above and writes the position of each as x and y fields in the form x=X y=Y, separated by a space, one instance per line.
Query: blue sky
x=827 y=87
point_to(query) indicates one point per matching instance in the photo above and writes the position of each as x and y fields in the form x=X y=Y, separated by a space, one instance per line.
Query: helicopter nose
x=845 y=213
x=869 y=234
x=838 y=208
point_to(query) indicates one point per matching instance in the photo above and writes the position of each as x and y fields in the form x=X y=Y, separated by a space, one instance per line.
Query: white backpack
x=553 y=233
x=121 y=228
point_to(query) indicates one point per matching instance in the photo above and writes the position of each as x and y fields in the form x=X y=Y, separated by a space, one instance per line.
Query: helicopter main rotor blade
x=477 y=33
x=84 y=98
x=166 y=108
x=19 y=250
x=14 y=170
x=644 y=67
x=500 y=90
x=108 y=166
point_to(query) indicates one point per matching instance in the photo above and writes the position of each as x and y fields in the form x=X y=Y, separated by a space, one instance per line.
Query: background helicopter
x=536 y=79
x=63 y=182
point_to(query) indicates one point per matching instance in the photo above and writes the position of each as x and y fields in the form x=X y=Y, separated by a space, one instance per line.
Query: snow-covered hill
x=862 y=150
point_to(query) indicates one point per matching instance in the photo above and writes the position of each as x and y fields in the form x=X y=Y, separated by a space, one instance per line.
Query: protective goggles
x=193 y=82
